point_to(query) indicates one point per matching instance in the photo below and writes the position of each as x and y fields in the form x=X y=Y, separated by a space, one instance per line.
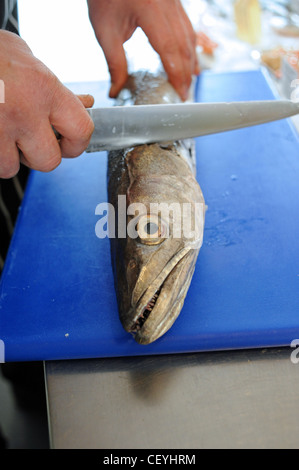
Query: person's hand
x=167 y=27
x=34 y=101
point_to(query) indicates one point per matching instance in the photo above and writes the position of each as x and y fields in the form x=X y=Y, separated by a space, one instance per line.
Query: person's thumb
x=86 y=100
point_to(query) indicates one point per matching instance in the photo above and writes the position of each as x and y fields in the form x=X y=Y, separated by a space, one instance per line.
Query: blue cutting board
x=57 y=298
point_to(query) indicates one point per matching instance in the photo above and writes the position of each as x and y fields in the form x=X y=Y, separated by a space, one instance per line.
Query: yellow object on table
x=248 y=20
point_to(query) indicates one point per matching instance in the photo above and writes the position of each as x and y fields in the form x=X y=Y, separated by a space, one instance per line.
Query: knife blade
x=121 y=127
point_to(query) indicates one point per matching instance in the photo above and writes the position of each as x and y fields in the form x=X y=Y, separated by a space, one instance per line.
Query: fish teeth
x=146 y=312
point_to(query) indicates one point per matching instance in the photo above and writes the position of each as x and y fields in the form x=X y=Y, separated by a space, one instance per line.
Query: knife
x=121 y=127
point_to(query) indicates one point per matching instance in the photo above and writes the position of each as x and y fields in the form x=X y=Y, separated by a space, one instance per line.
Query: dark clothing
x=9 y=15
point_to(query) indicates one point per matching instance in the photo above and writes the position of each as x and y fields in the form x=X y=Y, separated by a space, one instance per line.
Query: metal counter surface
x=229 y=399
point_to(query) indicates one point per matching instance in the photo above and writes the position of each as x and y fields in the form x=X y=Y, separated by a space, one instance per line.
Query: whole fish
x=154 y=259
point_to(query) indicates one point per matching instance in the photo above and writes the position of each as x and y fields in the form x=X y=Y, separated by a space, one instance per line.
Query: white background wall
x=60 y=34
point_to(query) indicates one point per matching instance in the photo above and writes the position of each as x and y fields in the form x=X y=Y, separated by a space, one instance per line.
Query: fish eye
x=151 y=229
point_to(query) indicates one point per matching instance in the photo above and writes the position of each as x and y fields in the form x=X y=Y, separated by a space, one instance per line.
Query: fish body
x=154 y=260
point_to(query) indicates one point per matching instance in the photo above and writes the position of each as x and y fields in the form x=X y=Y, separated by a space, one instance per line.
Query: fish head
x=165 y=222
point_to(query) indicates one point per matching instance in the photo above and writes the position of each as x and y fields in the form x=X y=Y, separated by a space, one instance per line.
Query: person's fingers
x=191 y=38
x=113 y=22
x=86 y=100
x=9 y=157
x=117 y=64
x=112 y=45
x=184 y=35
x=69 y=117
x=174 y=41
x=118 y=71
x=39 y=148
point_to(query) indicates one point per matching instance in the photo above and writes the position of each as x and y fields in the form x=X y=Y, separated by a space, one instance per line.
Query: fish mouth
x=145 y=312
x=161 y=303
